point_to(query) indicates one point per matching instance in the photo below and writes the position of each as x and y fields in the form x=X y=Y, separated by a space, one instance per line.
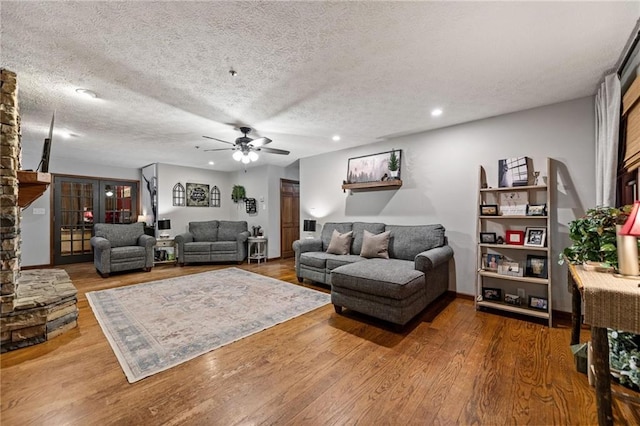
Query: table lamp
x=164 y=225
x=310 y=227
x=628 y=244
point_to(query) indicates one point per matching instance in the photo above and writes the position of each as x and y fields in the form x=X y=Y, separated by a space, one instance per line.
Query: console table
x=609 y=302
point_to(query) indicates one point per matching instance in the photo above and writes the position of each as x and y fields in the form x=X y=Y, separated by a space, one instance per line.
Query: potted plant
x=594 y=237
x=394 y=164
x=238 y=193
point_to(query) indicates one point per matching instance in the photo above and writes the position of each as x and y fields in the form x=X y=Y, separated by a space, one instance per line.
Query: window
x=178 y=195
x=215 y=197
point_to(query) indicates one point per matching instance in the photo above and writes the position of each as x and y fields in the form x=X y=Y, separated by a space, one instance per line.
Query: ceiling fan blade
x=260 y=142
x=219 y=140
x=218 y=149
x=273 y=151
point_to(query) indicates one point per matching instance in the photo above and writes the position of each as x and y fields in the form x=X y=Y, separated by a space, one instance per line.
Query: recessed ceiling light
x=65 y=135
x=336 y=138
x=211 y=163
x=436 y=112
x=87 y=93
x=233 y=72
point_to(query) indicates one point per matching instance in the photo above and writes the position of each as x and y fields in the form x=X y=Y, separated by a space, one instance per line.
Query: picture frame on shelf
x=536 y=266
x=514 y=172
x=512 y=299
x=492 y=294
x=511 y=268
x=513 y=203
x=539 y=303
x=536 y=209
x=514 y=237
x=488 y=237
x=490 y=262
x=489 y=210
x=373 y=167
x=535 y=236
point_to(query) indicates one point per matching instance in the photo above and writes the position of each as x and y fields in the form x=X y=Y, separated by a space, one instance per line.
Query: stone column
x=9 y=210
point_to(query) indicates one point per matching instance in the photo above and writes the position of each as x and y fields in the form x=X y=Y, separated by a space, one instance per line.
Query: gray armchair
x=119 y=247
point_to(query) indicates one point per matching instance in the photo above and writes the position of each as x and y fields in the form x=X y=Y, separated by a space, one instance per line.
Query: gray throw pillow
x=340 y=243
x=375 y=245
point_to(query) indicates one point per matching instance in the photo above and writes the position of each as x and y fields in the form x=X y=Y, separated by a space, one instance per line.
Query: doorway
x=289 y=216
x=79 y=202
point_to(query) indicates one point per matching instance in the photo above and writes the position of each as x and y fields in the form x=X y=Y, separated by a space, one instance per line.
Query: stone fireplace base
x=45 y=307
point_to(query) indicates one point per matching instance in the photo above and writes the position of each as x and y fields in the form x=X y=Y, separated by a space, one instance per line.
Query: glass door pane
x=73 y=219
x=120 y=202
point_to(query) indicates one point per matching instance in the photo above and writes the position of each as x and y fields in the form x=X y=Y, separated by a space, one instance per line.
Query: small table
x=609 y=302
x=260 y=246
x=165 y=251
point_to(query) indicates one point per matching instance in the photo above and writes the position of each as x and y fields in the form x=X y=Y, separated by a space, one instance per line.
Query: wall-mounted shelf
x=372 y=186
x=31 y=186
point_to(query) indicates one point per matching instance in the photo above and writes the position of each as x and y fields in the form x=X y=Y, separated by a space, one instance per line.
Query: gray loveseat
x=394 y=289
x=213 y=241
x=119 y=247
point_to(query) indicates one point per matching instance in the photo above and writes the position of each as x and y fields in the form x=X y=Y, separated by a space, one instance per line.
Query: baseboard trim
x=461 y=295
x=49 y=266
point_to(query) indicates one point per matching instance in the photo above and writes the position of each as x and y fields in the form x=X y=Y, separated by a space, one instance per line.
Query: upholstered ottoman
x=388 y=289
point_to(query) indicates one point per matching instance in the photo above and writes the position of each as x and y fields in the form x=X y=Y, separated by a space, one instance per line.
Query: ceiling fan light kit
x=246 y=149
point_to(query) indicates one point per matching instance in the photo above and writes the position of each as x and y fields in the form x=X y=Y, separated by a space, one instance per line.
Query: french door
x=79 y=202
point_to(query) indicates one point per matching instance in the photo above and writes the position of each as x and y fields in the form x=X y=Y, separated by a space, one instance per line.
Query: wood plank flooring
x=452 y=365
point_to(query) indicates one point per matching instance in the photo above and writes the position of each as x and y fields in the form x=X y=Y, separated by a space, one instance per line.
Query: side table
x=259 y=246
x=165 y=251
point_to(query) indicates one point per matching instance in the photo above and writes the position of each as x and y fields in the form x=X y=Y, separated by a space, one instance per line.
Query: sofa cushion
x=340 y=243
x=128 y=253
x=204 y=231
x=335 y=261
x=406 y=242
x=327 y=231
x=199 y=247
x=120 y=235
x=316 y=259
x=375 y=245
x=358 y=228
x=229 y=230
x=224 y=246
x=390 y=278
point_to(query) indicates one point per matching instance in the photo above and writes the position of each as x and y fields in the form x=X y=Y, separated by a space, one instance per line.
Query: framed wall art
x=514 y=172
x=197 y=195
x=535 y=237
x=489 y=210
x=372 y=168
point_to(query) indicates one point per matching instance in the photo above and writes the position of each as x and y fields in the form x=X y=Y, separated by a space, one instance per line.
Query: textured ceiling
x=306 y=71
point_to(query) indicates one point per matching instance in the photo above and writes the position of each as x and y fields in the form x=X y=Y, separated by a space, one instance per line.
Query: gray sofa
x=213 y=241
x=394 y=289
x=119 y=247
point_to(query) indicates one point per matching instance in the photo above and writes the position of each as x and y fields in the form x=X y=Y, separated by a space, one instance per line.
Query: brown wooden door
x=289 y=216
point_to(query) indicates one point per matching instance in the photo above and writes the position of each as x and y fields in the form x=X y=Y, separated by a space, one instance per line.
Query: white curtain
x=607 y=125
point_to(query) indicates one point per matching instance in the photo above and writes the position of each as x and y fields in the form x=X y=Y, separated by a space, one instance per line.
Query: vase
x=394 y=174
x=627 y=254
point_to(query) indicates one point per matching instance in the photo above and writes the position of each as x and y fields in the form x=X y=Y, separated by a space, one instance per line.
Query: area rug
x=158 y=325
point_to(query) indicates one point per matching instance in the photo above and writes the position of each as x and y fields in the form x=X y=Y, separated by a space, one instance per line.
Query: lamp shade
x=632 y=225
x=164 y=224
x=309 y=225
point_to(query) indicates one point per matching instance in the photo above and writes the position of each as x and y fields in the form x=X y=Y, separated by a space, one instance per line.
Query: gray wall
x=36 y=229
x=261 y=183
x=440 y=171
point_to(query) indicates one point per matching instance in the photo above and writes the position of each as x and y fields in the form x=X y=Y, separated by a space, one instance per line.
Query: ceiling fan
x=246 y=149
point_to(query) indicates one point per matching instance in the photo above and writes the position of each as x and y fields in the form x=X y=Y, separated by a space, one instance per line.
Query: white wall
x=440 y=172
x=35 y=229
x=169 y=175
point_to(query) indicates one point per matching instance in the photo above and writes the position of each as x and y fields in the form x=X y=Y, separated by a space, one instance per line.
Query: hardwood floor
x=452 y=365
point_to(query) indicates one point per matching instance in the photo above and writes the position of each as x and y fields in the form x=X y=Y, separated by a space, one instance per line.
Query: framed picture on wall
x=372 y=168
x=197 y=195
